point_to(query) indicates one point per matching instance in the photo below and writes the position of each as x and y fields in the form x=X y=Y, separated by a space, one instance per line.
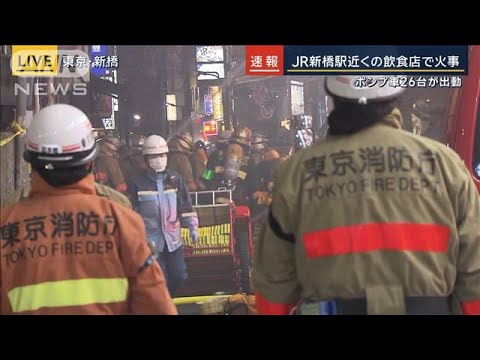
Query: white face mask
x=158 y=164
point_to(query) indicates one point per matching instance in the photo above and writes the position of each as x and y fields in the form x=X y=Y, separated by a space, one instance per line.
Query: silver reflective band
x=147 y=193
x=189 y=214
x=50 y=158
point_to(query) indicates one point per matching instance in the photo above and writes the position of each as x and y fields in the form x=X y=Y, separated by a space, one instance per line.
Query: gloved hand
x=262 y=197
x=194 y=235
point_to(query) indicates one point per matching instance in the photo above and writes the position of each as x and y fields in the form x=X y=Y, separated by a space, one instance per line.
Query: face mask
x=158 y=164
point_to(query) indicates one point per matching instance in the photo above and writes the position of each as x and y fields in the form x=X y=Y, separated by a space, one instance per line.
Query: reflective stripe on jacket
x=67 y=251
x=382 y=214
x=164 y=209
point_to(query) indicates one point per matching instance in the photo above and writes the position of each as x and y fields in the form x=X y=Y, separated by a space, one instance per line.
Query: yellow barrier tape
x=18 y=130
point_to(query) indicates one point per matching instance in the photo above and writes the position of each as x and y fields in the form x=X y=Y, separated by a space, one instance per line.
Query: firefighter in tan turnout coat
x=373 y=220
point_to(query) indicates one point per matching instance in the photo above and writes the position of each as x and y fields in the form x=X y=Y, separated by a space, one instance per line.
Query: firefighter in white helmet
x=162 y=199
x=76 y=244
x=373 y=220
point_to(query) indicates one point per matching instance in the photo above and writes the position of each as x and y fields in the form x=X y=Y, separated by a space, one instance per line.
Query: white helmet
x=59 y=136
x=346 y=87
x=155 y=144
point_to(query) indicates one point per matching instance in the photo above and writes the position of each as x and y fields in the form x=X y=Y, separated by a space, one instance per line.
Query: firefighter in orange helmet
x=131 y=158
x=213 y=173
x=259 y=146
x=82 y=253
x=239 y=168
x=180 y=149
x=106 y=167
x=199 y=160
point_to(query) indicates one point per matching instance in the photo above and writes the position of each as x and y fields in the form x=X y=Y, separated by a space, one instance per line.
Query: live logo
x=42 y=63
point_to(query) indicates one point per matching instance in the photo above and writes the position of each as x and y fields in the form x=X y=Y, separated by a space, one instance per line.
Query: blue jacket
x=163 y=201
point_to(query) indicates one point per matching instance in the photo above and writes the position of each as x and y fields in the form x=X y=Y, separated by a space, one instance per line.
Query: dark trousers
x=174 y=268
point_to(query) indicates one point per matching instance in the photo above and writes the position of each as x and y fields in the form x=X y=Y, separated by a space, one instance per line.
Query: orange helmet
x=241 y=135
x=108 y=145
x=181 y=143
x=223 y=136
x=259 y=143
x=270 y=155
